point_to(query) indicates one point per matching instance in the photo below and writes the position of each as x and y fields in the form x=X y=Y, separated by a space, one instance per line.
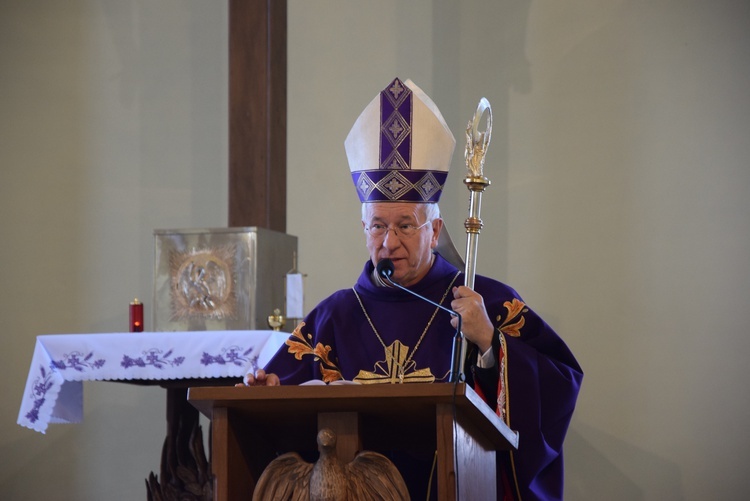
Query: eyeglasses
x=378 y=230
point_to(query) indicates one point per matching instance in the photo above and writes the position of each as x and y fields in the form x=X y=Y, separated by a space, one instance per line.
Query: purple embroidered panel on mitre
x=399 y=186
x=395 y=126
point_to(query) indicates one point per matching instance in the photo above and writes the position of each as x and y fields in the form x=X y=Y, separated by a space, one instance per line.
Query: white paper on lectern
x=320 y=382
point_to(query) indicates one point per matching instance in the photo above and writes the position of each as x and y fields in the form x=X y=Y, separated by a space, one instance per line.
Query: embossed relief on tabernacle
x=202 y=283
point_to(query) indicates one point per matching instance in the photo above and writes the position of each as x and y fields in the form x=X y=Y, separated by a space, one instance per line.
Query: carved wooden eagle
x=369 y=477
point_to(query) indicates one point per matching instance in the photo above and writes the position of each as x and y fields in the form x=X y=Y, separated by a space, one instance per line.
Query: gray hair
x=431 y=211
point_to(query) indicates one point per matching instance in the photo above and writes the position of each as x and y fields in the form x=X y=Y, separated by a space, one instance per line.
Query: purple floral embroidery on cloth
x=152 y=357
x=76 y=360
x=42 y=384
x=231 y=355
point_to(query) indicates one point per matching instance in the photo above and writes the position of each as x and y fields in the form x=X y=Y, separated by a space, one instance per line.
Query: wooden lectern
x=251 y=425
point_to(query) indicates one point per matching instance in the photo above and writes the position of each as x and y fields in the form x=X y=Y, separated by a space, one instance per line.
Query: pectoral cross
x=397 y=368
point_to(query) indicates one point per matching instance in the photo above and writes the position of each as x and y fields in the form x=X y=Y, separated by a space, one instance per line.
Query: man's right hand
x=260 y=378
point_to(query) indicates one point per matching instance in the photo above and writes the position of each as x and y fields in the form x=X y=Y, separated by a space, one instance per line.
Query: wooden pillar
x=257 y=113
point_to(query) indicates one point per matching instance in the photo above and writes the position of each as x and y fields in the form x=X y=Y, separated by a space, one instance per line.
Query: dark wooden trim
x=257 y=113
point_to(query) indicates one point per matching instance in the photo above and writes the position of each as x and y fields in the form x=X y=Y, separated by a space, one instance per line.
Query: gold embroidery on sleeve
x=299 y=346
x=515 y=309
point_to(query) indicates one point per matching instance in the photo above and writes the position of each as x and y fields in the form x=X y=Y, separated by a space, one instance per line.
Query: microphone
x=385 y=270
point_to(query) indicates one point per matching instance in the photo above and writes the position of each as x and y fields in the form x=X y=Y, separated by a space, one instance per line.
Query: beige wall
x=113 y=123
x=617 y=209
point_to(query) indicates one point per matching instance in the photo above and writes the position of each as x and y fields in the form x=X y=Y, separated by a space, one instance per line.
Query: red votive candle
x=136 y=316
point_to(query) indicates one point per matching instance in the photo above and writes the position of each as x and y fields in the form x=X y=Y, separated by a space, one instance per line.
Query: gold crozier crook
x=477 y=143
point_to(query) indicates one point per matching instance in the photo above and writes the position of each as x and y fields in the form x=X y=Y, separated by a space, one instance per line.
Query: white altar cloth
x=60 y=364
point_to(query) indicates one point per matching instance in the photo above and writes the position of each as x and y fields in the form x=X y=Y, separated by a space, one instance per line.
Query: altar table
x=60 y=364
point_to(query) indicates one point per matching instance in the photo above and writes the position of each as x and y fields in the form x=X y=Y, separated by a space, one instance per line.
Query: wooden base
x=251 y=426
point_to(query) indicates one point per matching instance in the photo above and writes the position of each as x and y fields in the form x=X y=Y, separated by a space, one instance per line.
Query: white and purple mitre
x=400 y=147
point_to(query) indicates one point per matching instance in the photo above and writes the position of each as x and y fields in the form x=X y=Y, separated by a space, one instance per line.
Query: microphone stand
x=456 y=372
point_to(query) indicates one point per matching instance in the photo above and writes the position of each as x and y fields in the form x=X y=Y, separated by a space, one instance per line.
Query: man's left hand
x=475 y=323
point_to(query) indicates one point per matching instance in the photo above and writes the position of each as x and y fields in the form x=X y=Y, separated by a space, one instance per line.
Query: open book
x=315 y=382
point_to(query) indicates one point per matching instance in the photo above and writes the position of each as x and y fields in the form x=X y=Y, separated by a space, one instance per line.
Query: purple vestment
x=336 y=340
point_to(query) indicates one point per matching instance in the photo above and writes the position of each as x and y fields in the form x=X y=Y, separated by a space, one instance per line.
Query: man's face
x=412 y=255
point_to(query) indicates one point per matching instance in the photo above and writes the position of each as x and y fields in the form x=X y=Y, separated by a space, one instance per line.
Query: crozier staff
x=399 y=153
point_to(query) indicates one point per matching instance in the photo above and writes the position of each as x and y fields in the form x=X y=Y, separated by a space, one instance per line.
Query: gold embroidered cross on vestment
x=399 y=366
